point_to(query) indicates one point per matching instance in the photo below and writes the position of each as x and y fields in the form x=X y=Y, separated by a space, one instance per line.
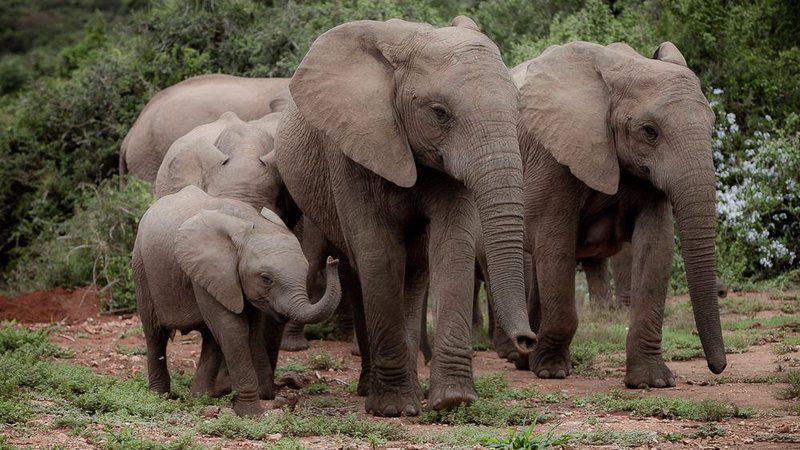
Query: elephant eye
x=650 y=132
x=442 y=113
x=266 y=279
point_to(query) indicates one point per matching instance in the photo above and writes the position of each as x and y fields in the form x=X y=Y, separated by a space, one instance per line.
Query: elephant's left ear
x=464 y=22
x=345 y=87
x=565 y=108
x=668 y=52
x=206 y=248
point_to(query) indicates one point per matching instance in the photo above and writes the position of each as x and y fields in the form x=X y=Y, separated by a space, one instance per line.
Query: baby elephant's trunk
x=300 y=308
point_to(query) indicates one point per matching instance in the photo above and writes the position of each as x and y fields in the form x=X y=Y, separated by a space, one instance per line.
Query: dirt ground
x=113 y=345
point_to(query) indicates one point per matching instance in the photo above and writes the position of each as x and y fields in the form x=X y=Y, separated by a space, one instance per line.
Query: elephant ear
x=624 y=48
x=565 y=108
x=668 y=52
x=279 y=103
x=465 y=22
x=187 y=162
x=206 y=249
x=345 y=87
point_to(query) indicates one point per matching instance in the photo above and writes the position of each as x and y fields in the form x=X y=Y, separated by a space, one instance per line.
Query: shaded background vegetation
x=75 y=73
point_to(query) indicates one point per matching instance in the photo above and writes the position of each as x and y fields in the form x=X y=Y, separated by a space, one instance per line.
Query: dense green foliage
x=74 y=75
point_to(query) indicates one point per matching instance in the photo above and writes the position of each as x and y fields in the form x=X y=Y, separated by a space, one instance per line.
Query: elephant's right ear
x=345 y=87
x=565 y=108
x=187 y=162
x=206 y=249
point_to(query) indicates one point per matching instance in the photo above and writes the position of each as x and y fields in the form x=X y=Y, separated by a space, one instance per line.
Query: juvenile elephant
x=613 y=144
x=227 y=158
x=399 y=139
x=217 y=266
x=176 y=110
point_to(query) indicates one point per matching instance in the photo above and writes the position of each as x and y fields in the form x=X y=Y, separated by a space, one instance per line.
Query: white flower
x=717 y=91
x=731 y=118
x=768 y=117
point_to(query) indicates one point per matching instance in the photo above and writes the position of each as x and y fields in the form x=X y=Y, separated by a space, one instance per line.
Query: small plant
x=316 y=389
x=290 y=367
x=527 y=440
x=322 y=360
x=129 y=351
x=708 y=431
x=489 y=412
x=793 y=388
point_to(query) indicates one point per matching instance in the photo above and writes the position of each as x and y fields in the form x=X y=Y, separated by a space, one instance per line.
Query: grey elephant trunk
x=300 y=309
x=693 y=202
x=496 y=182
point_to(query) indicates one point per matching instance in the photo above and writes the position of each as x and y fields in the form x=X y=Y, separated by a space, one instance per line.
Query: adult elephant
x=613 y=143
x=399 y=138
x=178 y=109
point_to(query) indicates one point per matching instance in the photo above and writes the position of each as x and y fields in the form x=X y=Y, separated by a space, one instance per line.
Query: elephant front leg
x=211 y=362
x=452 y=267
x=621 y=270
x=260 y=355
x=232 y=333
x=393 y=390
x=651 y=253
x=558 y=318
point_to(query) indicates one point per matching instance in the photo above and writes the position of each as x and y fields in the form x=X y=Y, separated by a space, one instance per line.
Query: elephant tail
x=123 y=165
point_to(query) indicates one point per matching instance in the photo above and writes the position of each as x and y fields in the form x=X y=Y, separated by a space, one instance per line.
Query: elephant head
x=228 y=158
x=606 y=110
x=235 y=260
x=394 y=96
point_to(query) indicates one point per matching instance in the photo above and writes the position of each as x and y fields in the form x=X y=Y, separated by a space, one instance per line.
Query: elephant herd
x=398 y=159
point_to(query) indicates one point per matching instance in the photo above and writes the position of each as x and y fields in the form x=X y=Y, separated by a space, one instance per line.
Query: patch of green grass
x=680 y=345
x=132 y=331
x=488 y=412
x=458 y=436
x=704 y=410
x=14 y=410
x=125 y=439
x=316 y=389
x=33 y=344
x=792 y=389
x=327 y=403
x=351 y=388
x=742 y=305
x=494 y=386
x=774 y=321
x=285 y=444
x=527 y=440
x=294 y=425
x=290 y=367
x=129 y=351
x=322 y=360
x=708 y=431
x=608 y=436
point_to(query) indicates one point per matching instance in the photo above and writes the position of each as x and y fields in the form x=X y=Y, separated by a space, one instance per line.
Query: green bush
x=93 y=246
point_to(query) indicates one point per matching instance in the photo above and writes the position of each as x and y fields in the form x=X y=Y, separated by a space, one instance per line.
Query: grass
x=742 y=305
x=608 y=436
x=322 y=360
x=129 y=351
x=792 y=389
x=489 y=412
x=673 y=408
x=291 y=367
x=527 y=440
x=316 y=389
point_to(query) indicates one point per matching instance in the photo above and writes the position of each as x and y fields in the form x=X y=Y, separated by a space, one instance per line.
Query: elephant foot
x=159 y=386
x=293 y=339
x=504 y=347
x=363 y=384
x=394 y=403
x=450 y=395
x=648 y=373
x=550 y=363
x=247 y=407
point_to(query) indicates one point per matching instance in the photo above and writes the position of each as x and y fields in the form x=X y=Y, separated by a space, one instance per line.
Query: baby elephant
x=215 y=265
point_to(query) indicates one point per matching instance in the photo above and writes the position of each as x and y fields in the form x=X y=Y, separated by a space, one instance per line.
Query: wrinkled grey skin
x=178 y=109
x=217 y=266
x=417 y=147
x=613 y=144
x=227 y=158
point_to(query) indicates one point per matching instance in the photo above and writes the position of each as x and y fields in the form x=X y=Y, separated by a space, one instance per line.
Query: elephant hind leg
x=209 y=368
x=155 y=335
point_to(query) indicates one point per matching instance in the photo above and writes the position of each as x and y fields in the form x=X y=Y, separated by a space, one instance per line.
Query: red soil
x=57 y=305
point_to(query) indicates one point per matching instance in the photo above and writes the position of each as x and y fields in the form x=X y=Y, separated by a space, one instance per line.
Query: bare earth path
x=753 y=381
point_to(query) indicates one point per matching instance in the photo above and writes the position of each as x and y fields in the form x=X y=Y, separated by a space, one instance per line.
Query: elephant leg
x=260 y=355
x=554 y=260
x=621 y=268
x=351 y=288
x=415 y=292
x=534 y=309
x=596 y=270
x=294 y=339
x=273 y=333
x=232 y=333
x=343 y=325
x=477 y=314
x=380 y=257
x=452 y=262
x=424 y=339
x=651 y=251
x=156 y=336
x=211 y=360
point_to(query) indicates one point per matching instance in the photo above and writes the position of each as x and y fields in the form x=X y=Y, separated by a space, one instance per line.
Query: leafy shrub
x=91 y=247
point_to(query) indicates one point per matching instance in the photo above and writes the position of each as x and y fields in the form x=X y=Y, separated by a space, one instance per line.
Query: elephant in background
x=399 y=140
x=217 y=266
x=178 y=109
x=613 y=145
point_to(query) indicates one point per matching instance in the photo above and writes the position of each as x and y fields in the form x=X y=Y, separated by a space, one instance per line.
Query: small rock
x=748 y=441
x=289 y=400
x=211 y=412
x=274 y=437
